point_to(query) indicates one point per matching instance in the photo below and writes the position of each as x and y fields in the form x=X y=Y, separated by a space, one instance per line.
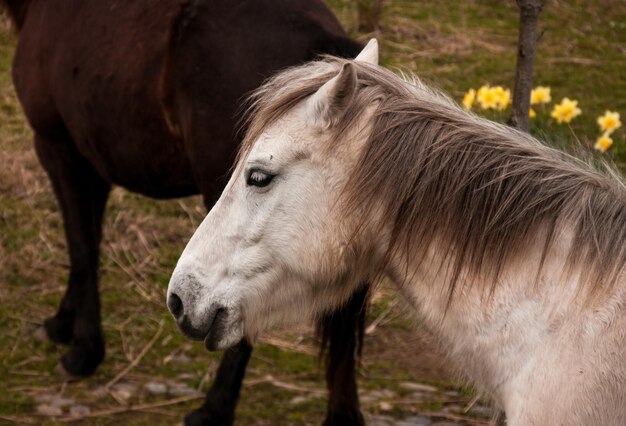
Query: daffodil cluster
x=566 y=111
x=539 y=95
x=499 y=98
x=608 y=123
x=488 y=97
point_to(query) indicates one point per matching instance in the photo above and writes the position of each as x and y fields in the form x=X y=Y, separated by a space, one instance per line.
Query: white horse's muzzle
x=210 y=319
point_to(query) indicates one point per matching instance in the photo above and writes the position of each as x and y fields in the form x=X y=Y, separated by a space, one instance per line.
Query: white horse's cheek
x=296 y=253
x=307 y=255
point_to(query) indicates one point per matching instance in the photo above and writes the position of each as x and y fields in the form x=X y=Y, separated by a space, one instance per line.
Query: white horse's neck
x=504 y=342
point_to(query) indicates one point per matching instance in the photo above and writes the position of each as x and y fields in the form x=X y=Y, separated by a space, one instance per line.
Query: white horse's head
x=275 y=248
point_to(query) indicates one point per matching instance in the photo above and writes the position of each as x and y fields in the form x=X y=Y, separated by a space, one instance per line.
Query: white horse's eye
x=259 y=178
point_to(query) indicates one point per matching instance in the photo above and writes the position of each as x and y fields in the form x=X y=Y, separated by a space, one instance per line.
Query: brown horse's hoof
x=59 y=330
x=82 y=360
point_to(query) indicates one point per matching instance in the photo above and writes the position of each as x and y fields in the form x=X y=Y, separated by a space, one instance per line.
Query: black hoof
x=344 y=418
x=59 y=330
x=82 y=360
x=205 y=418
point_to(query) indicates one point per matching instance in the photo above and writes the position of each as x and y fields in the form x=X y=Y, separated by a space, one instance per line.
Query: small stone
x=181 y=359
x=418 y=387
x=421 y=395
x=381 y=421
x=43 y=397
x=377 y=395
x=296 y=400
x=124 y=386
x=156 y=388
x=182 y=390
x=453 y=408
x=186 y=376
x=79 y=410
x=41 y=335
x=49 y=410
x=100 y=392
x=385 y=406
x=61 y=402
x=121 y=395
x=124 y=391
x=415 y=421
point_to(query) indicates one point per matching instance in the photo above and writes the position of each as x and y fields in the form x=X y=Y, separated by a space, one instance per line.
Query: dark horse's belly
x=104 y=92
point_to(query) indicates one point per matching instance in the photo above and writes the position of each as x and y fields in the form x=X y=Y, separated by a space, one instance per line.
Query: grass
x=456 y=46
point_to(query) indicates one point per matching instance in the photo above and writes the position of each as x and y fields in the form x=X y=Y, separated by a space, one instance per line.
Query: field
x=151 y=374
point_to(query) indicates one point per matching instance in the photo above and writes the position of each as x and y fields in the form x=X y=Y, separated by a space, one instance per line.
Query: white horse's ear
x=369 y=53
x=331 y=100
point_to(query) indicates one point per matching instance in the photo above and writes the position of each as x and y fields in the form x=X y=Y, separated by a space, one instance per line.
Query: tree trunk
x=529 y=16
x=369 y=14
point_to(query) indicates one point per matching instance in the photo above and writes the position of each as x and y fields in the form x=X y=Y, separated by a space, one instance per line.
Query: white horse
x=511 y=252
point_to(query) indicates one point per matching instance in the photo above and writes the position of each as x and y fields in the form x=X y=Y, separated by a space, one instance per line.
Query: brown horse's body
x=90 y=72
x=144 y=95
x=94 y=71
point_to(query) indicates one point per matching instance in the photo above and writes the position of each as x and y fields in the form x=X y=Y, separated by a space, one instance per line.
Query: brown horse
x=144 y=95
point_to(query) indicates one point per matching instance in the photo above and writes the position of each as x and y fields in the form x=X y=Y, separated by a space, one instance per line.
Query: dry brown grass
x=456 y=45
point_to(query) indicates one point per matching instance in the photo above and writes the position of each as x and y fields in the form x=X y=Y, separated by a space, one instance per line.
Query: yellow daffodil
x=609 y=122
x=566 y=111
x=468 y=99
x=493 y=97
x=540 y=95
x=603 y=143
x=503 y=97
x=487 y=97
x=481 y=91
x=532 y=113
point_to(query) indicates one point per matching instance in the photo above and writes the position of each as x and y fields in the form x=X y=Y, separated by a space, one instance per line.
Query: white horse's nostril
x=175 y=305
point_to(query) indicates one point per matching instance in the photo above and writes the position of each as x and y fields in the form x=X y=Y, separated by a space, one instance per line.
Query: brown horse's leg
x=82 y=196
x=343 y=331
x=219 y=406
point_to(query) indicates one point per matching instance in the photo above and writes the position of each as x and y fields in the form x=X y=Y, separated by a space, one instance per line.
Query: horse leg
x=220 y=402
x=82 y=196
x=343 y=331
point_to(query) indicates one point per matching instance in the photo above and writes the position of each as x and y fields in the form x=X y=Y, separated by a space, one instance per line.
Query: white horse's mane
x=480 y=188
